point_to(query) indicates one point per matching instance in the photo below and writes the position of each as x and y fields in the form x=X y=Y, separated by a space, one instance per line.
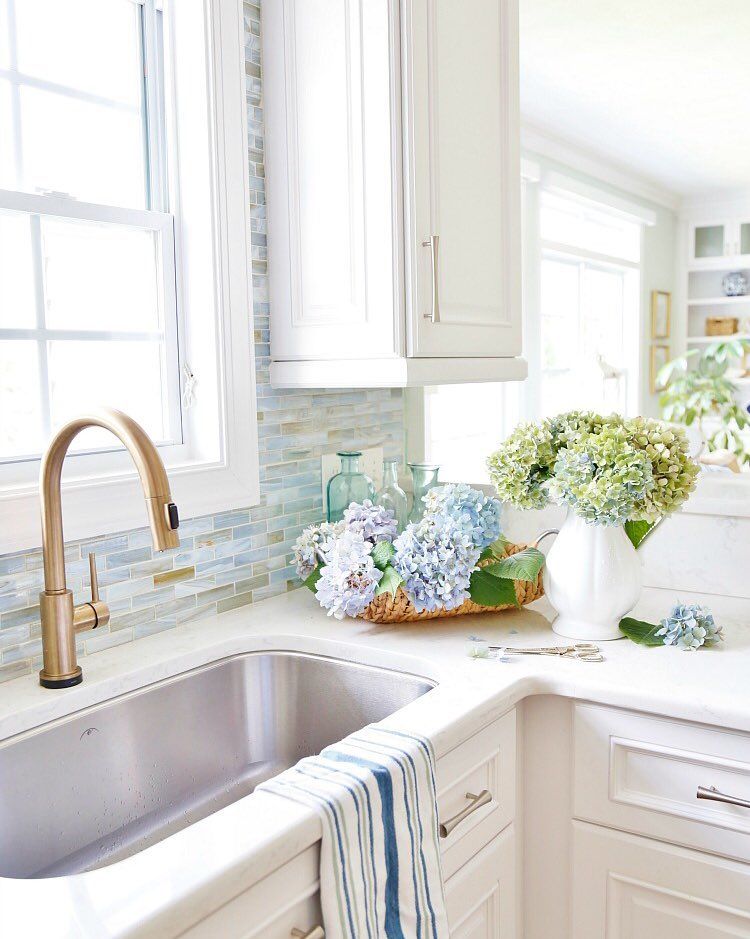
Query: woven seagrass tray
x=389 y=609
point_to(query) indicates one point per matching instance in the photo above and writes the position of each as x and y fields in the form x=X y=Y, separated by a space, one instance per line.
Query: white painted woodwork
x=330 y=168
x=481 y=898
x=463 y=176
x=732 y=254
x=485 y=761
x=641 y=773
x=629 y=887
x=286 y=899
x=386 y=123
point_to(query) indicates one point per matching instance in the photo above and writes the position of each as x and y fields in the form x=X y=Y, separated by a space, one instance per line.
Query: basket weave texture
x=399 y=609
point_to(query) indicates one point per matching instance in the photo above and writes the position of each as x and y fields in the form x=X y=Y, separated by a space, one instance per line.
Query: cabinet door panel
x=481 y=897
x=628 y=887
x=466 y=178
x=328 y=92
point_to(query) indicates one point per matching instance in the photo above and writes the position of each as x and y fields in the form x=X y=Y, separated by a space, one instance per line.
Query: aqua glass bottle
x=348 y=485
x=392 y=496
x=424 y=477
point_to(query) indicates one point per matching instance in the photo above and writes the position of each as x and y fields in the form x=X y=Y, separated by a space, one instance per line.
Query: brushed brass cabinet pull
x=475 y=802
x=433 y=243
x=713 y=795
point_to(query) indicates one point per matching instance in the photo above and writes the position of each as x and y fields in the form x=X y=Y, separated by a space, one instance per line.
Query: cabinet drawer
x=629 y=887
x=286 y=899
x=641 y=774
x=485 y=761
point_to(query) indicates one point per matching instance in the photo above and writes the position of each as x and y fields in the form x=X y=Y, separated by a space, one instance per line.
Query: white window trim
x=213 y=251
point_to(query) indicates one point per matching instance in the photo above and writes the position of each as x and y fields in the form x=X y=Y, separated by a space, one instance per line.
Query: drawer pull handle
x=433 y=243
x=475 y=802
x=316 y=932
x=713 y=794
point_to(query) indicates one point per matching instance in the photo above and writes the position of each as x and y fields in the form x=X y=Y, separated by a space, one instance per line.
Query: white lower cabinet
x=630 y=887
x=481 y=897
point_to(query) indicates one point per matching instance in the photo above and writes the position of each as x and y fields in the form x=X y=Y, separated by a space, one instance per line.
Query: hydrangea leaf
x=524 y=565
x=382 y=554
x=637 y=531
x=389 y=582
x=495 y=551
x=641 y=632
x=312 y=579
x=487 y=590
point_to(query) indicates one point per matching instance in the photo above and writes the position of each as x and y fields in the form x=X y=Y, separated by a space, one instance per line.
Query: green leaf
x=641 y=632
x=382 y=554
x=637 y=531
x=389 y=582
x=524 y=565
x=496 y=550
x=312 y=579
x=487 y=590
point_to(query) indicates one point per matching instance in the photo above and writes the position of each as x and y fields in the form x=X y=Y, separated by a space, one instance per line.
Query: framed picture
x=661 y=314
x=659 y=358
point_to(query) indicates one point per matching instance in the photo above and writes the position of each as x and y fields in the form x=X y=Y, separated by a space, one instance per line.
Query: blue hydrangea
x=473 y=512
x=312 y=545
x=374 y=522
x=690 y=626
x=435 y=558
x=349 y=578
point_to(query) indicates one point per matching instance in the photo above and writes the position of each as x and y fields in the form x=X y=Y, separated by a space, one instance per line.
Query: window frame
x=210 y=244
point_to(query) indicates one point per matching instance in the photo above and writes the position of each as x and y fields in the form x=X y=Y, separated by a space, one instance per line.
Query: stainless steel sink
x=109 y=781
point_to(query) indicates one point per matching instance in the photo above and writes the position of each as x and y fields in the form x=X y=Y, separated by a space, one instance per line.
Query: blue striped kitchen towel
x=380 y=875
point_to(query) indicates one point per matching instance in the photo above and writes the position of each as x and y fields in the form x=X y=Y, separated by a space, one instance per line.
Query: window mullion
x=153 y=105
x=41 y=322
x=15 y=93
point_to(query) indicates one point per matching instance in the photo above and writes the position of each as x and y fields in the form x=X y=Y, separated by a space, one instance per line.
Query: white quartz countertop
x=167 y=887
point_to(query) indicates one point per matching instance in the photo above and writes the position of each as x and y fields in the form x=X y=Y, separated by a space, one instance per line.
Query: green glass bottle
x=348 y=485
x=424 y=477
x=392 y=496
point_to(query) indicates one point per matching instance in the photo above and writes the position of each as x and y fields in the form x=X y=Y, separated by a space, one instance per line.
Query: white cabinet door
x=461 y=128
x=329 y=99
x=628 y=887
x=481 y=897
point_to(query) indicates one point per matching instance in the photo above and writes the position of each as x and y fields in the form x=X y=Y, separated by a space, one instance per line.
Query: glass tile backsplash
x=234 y=558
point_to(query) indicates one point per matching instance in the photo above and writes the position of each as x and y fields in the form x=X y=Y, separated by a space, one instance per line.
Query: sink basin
x=109 y=781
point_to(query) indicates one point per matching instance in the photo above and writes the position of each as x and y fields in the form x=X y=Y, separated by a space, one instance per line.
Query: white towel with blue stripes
x=380 y=874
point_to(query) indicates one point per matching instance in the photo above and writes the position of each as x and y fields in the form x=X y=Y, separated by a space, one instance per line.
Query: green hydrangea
x=607 y=469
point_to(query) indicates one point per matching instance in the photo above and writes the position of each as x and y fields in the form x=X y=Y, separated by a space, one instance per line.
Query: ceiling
x=659 y=87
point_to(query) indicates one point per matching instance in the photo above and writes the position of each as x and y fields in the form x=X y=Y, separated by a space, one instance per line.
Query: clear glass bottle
x=424 y=476
x=348 y=485
x=392 y=496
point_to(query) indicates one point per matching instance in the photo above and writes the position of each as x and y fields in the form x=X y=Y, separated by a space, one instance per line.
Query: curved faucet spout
x=59 y=618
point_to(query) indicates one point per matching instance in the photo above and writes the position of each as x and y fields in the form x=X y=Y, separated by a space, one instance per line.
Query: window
x=589 y=286
x=87 y=274
x=120 y=276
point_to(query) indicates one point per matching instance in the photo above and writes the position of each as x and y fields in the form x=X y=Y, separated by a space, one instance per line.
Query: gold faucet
x=60 y=619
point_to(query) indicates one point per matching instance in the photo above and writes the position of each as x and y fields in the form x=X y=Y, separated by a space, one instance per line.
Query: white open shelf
x=718 y=301
x=708 y=339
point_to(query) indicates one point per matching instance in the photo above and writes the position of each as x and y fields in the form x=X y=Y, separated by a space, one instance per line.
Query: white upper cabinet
x=719 y=244
x=461 y=107
x=393 y=191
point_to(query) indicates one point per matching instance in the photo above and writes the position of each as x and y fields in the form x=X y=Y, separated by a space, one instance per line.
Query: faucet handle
x=94 y=578
x=96 y=612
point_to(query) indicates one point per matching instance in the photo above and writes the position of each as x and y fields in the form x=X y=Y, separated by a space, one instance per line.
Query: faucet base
x=66 y=681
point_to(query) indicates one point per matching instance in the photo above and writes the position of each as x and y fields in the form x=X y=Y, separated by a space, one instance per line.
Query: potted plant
x=697 y=389
x=618 y=477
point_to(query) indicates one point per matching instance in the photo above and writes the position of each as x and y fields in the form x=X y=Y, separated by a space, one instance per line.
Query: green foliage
x=312 y=579
x=389 y=582
x=524 y=565
x=641 y=632
x=638 y=531
x=489 y=590
x=695 y=387
x=382 y=554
